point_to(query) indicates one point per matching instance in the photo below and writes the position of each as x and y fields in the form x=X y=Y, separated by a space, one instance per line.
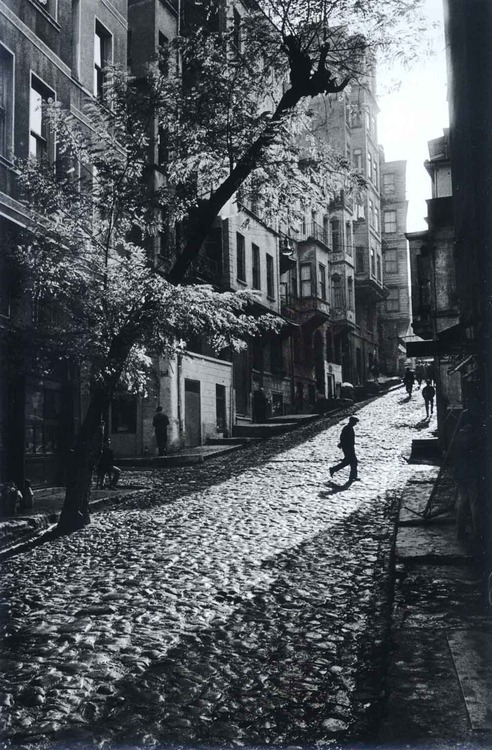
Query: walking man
x=347 y=444
x=160 y=423
x=428 y=392
x=409 y=380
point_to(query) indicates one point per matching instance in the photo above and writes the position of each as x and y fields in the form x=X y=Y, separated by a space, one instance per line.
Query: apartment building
x=395 y=312
x=49 y=49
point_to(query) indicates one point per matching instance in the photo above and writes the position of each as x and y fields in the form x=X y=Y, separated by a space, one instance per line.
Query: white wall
x=210 y=372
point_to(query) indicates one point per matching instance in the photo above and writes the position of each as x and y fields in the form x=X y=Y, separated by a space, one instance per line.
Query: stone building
x=395 y=313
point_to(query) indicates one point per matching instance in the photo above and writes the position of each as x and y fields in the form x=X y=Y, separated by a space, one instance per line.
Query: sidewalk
x=48 y=501
x=439 y=682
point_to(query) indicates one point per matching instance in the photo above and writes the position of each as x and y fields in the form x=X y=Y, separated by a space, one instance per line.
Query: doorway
x=193 y=432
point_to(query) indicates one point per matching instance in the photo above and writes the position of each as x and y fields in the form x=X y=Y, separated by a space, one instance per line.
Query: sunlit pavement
x=246 y=612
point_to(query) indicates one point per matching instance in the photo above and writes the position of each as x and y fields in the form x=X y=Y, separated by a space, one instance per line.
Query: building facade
x=51 y=49
x=396 y=311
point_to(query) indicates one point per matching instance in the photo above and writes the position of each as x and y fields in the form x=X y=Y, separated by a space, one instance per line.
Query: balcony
x=342 y=317
x=310 y=312
x=314 y=231
x=370 y=288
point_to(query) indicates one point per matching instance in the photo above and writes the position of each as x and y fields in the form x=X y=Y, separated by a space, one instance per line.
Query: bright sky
x=414 y=115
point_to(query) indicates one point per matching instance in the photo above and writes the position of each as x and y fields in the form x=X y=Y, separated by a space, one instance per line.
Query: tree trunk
x=88 y=444
x=82 y=460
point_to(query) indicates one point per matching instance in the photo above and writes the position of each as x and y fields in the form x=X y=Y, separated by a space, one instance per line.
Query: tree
x=242 y=91
x=233 y=114
x=97 y=297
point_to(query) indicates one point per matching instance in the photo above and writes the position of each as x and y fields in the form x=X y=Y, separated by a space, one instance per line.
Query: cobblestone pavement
x=242 y=612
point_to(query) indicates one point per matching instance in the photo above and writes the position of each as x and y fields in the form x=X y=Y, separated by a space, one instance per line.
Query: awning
x=447 y=341
x=422 y=348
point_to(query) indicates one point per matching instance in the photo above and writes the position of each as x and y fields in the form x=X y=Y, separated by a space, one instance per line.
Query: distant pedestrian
x=419 y=374
x=347 y=444
x=375 y=372
x=409 y=380
x=428 y=393
x=106 y=468
x=160 y=423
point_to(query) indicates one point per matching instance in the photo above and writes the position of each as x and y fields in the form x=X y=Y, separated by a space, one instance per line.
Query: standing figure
x=428 y=393
x=409 y=380
x=419 y=374
x=160 y=423
x=347 y=444
x=106 y=467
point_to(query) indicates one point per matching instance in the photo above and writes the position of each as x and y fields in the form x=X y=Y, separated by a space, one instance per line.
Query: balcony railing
x=316 y=231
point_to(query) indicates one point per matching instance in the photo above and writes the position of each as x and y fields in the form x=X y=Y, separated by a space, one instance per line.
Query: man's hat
x=353 y=420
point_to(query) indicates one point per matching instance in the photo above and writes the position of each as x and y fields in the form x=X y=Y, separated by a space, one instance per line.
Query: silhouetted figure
x=347 y=444
x=408 y=381
x=419 y=374
x=106 y=467
x=160 y=423
x=428 y=393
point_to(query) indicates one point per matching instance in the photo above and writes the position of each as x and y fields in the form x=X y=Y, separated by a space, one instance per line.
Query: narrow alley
x=251 y=611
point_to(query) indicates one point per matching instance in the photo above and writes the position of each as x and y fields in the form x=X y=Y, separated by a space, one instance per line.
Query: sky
x=414 y=115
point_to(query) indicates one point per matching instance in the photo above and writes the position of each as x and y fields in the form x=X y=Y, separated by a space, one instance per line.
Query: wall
x=210 y=372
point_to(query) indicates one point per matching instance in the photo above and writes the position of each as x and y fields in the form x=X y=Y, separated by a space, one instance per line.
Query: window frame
x=305 y=281
x=270 y=276
x=106 y=51
x=241 y=257
x=387 y=223
x=45 y=139
x=255 y=266
x=391 y=262
x=322 y=281
x=7 y=102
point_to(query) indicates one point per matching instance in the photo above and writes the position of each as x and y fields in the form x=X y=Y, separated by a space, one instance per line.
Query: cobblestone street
x=247 y=608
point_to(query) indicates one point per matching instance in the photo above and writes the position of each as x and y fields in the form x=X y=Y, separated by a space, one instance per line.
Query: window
x=358 y=159
x=337 y=290
x=236 y=30
x=322 y=281
x=373 y=262
x=371 y=213
x=124 y=414
x=240 y=257
x=270 y=276
x=378 y=260
x=350 y=287
x=359 y=260
x=390 y=261
x=6 y=102
x=377 y=225
x=255 y=264
x=306 y=280
x=335 y=235
x=76 y=38
x=43 y=417
x=393 y=300
x=375 y=172
x=163 y=54
x=390 y=222
x=348 y=237
x=389 y=183
x=369 y=166
x=102 y=58
x=41 y=141
x=355 y=118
